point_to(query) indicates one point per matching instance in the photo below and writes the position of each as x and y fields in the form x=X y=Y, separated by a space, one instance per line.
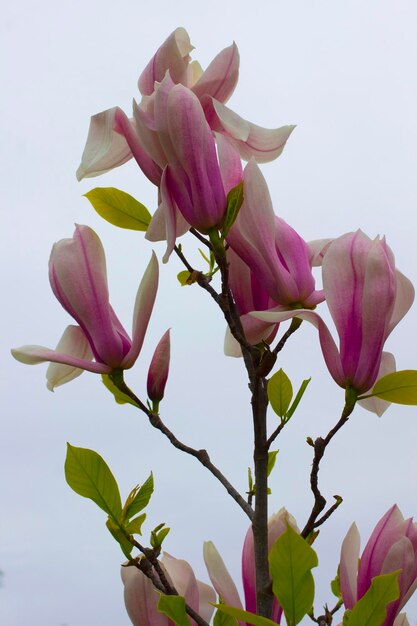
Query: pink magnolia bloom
x=275 y=253
x=113 y=138
x=159 y=369
x=391 y=547
x=77 y=273
x=221 y=579
x=367 y=297
x=141 y=597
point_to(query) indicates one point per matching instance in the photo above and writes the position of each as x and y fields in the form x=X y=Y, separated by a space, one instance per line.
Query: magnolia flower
x=367 y=297
x=221 y=579
x=392 y=546
x=141 y=597
x=113 y=138
x=277 y=256
x=77 y=273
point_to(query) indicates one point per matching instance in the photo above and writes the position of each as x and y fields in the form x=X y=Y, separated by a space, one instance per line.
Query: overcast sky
x=345 y=73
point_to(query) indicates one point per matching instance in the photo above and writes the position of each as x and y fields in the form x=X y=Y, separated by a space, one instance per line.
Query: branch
x=319 y=446
x=200 y=455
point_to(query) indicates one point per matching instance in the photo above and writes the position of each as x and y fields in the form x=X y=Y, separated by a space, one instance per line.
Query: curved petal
x=72 y=342
x=145 y=300
x=220 y=78
x=183 y=579
x=349 y=566
x=328 y=346
x=32 y=355
x=220 y=577
x=198 y=169
x=317 y=250
x=206 y=599
x=141 y=599
x=104 y=149
x=172 y=55
x=389 y=529
x=374 y=404
x=403 y=300
x=250 y=140
x=230 y=163
x=401 y=620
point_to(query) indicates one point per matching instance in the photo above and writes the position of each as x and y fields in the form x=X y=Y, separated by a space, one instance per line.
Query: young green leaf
x=371 y=610
x=272 y=457
x=280 y=392
x=89 y=476
x=291 y=560
x=174 y=608
x=138 y=499
x=134 y=527
x=119 y=208
x=119 y=396
x=183 y=277
x=234 y=203
x=120 y=537
x=335 y=585
x=297 y=398
x=399 y=387
x=245 y=616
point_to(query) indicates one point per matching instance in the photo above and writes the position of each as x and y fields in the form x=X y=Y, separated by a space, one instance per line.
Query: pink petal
x=317 y=250
x=141 y=599
x=403 y=300
x=172 y=55
x=230 y=163
x=32 y=355
x=249 y=139
x=105 y=149
x=206 y=599
x=72 y=342
x=220 y=78
x=220 y=577
x=183 y=579
x=374 y=404
x=144 y=303
x=349 y=566
x=159 y=369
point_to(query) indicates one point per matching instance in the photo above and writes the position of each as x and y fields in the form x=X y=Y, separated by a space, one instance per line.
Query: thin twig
x=320 y=445
x=200 y=455
x=201 y=238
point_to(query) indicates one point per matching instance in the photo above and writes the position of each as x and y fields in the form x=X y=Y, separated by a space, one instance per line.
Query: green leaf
x=279 y=392
x=291 y=560
x=174 y=608
x=89 y=476
x=272 y=457
x=371 y=610
x=335 y=585
x=222 y=619
x=139 y=498
x=245 y=616
x=119 y=208
x=158 y=536
x=120 y=537
x=134 y=527
x=298 y=397
x=183 y=278
x=399 y=387
x=119 y=396
x=234 y=203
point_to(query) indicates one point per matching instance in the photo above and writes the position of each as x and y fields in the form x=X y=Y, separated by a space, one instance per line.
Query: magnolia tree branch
x=319 y=446
x=200 y=455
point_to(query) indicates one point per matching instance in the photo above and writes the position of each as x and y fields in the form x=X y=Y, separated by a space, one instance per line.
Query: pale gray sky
x=344 y=72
